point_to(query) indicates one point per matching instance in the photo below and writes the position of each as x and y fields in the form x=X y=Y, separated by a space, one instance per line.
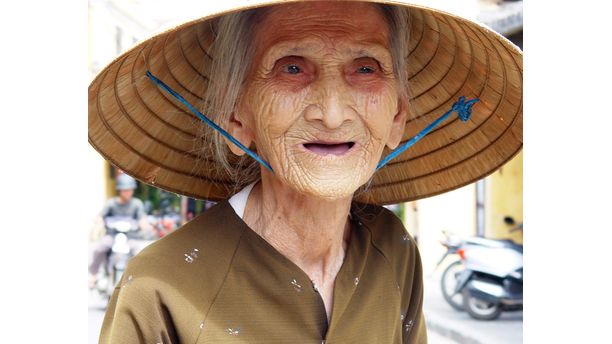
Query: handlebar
x=121 y=224
x=517 y=228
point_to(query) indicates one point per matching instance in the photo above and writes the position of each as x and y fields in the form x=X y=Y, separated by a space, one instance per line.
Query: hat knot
x=463 y=108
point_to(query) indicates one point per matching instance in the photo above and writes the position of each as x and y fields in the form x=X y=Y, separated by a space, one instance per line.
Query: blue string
x=208 y=121
x=461 y=107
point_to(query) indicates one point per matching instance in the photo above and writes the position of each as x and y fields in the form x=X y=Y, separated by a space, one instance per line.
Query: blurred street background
x=481 y=210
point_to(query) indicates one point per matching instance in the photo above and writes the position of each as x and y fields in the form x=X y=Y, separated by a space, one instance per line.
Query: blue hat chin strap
x=462 y=107
x=208 y=121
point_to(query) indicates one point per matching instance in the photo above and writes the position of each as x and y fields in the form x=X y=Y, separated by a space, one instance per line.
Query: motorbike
x=492 y=281
x=488 y=276
x=455 y=246
x=120 y=228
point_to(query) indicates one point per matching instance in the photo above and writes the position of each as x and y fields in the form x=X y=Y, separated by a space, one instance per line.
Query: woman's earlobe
x=240 y=132
x=397 y=127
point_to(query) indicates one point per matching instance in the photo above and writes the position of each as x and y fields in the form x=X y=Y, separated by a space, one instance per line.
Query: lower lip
x=324 y=150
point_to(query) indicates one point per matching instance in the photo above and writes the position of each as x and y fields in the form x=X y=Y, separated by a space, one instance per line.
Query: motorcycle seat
x=511 y=244
x=495 y=243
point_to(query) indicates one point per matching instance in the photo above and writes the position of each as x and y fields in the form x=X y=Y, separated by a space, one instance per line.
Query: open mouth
x=329 y=148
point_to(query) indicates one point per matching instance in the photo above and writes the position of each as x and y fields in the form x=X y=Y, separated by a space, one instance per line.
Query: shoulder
x=389 y=236
x=111 y=202
x=194 y=259
x=208 y=240
x=169 y=286
x=387 y=230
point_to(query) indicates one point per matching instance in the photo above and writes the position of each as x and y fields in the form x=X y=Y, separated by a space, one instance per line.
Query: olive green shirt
x=217 y=281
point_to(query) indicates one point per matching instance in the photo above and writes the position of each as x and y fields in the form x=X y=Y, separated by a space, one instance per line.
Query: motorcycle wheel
x=448 y=282
x=480 y=309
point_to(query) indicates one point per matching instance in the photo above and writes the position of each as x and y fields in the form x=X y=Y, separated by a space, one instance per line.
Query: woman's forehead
x=308 y=22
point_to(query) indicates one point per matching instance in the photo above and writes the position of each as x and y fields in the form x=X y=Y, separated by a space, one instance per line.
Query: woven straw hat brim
x=149 y=135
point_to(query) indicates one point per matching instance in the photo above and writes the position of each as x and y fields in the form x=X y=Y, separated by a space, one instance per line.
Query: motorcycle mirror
x=509 y=220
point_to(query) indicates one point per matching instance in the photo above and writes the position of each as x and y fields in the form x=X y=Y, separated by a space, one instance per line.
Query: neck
x=309 y=231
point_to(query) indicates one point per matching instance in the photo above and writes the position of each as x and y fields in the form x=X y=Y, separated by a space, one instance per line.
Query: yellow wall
x=504 y=197
x=109 y=181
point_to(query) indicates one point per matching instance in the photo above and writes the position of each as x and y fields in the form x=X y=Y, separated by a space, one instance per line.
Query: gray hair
x=232 y=53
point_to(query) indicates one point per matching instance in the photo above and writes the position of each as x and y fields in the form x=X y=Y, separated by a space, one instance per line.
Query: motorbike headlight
x=121 y=244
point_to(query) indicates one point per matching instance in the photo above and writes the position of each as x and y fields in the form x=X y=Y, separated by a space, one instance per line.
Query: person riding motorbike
x=123 y=205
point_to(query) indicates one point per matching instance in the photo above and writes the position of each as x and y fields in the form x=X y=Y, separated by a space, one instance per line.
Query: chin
x=329 y=187
x=333 y=193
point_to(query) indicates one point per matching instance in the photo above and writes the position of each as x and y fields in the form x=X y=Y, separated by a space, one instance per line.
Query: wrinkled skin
x=322 y=74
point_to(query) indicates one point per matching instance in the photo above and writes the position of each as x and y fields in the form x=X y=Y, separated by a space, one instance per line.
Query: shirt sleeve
x=135 y=314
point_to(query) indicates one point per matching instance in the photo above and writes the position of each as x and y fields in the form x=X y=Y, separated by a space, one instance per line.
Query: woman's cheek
x=378 y=113
x=275 y=113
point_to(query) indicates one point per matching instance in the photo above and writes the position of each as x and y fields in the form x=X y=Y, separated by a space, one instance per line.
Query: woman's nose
x=330 y=102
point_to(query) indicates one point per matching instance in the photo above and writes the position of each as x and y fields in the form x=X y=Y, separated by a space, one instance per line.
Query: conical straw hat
x=148 y=134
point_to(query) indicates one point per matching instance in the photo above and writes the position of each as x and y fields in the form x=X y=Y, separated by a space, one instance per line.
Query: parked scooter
x=455 y=245
x=492 y=280
x=448 y=281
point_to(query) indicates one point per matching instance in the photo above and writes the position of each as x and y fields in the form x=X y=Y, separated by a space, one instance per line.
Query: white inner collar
x=239 y=200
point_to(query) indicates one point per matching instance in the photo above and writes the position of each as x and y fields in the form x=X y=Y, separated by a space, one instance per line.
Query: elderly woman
x=301 y=252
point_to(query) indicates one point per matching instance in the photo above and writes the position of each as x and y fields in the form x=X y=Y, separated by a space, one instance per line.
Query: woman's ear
x=398 y=126
x=237 y=128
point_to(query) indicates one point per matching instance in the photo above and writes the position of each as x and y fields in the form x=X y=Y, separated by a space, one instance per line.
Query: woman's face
x=321 y=99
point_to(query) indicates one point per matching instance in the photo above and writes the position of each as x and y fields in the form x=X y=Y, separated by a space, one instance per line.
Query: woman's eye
x=292 y=69
x=365 y=70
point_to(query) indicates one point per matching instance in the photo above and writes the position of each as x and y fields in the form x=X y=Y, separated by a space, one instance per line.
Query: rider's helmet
x=125 y=182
